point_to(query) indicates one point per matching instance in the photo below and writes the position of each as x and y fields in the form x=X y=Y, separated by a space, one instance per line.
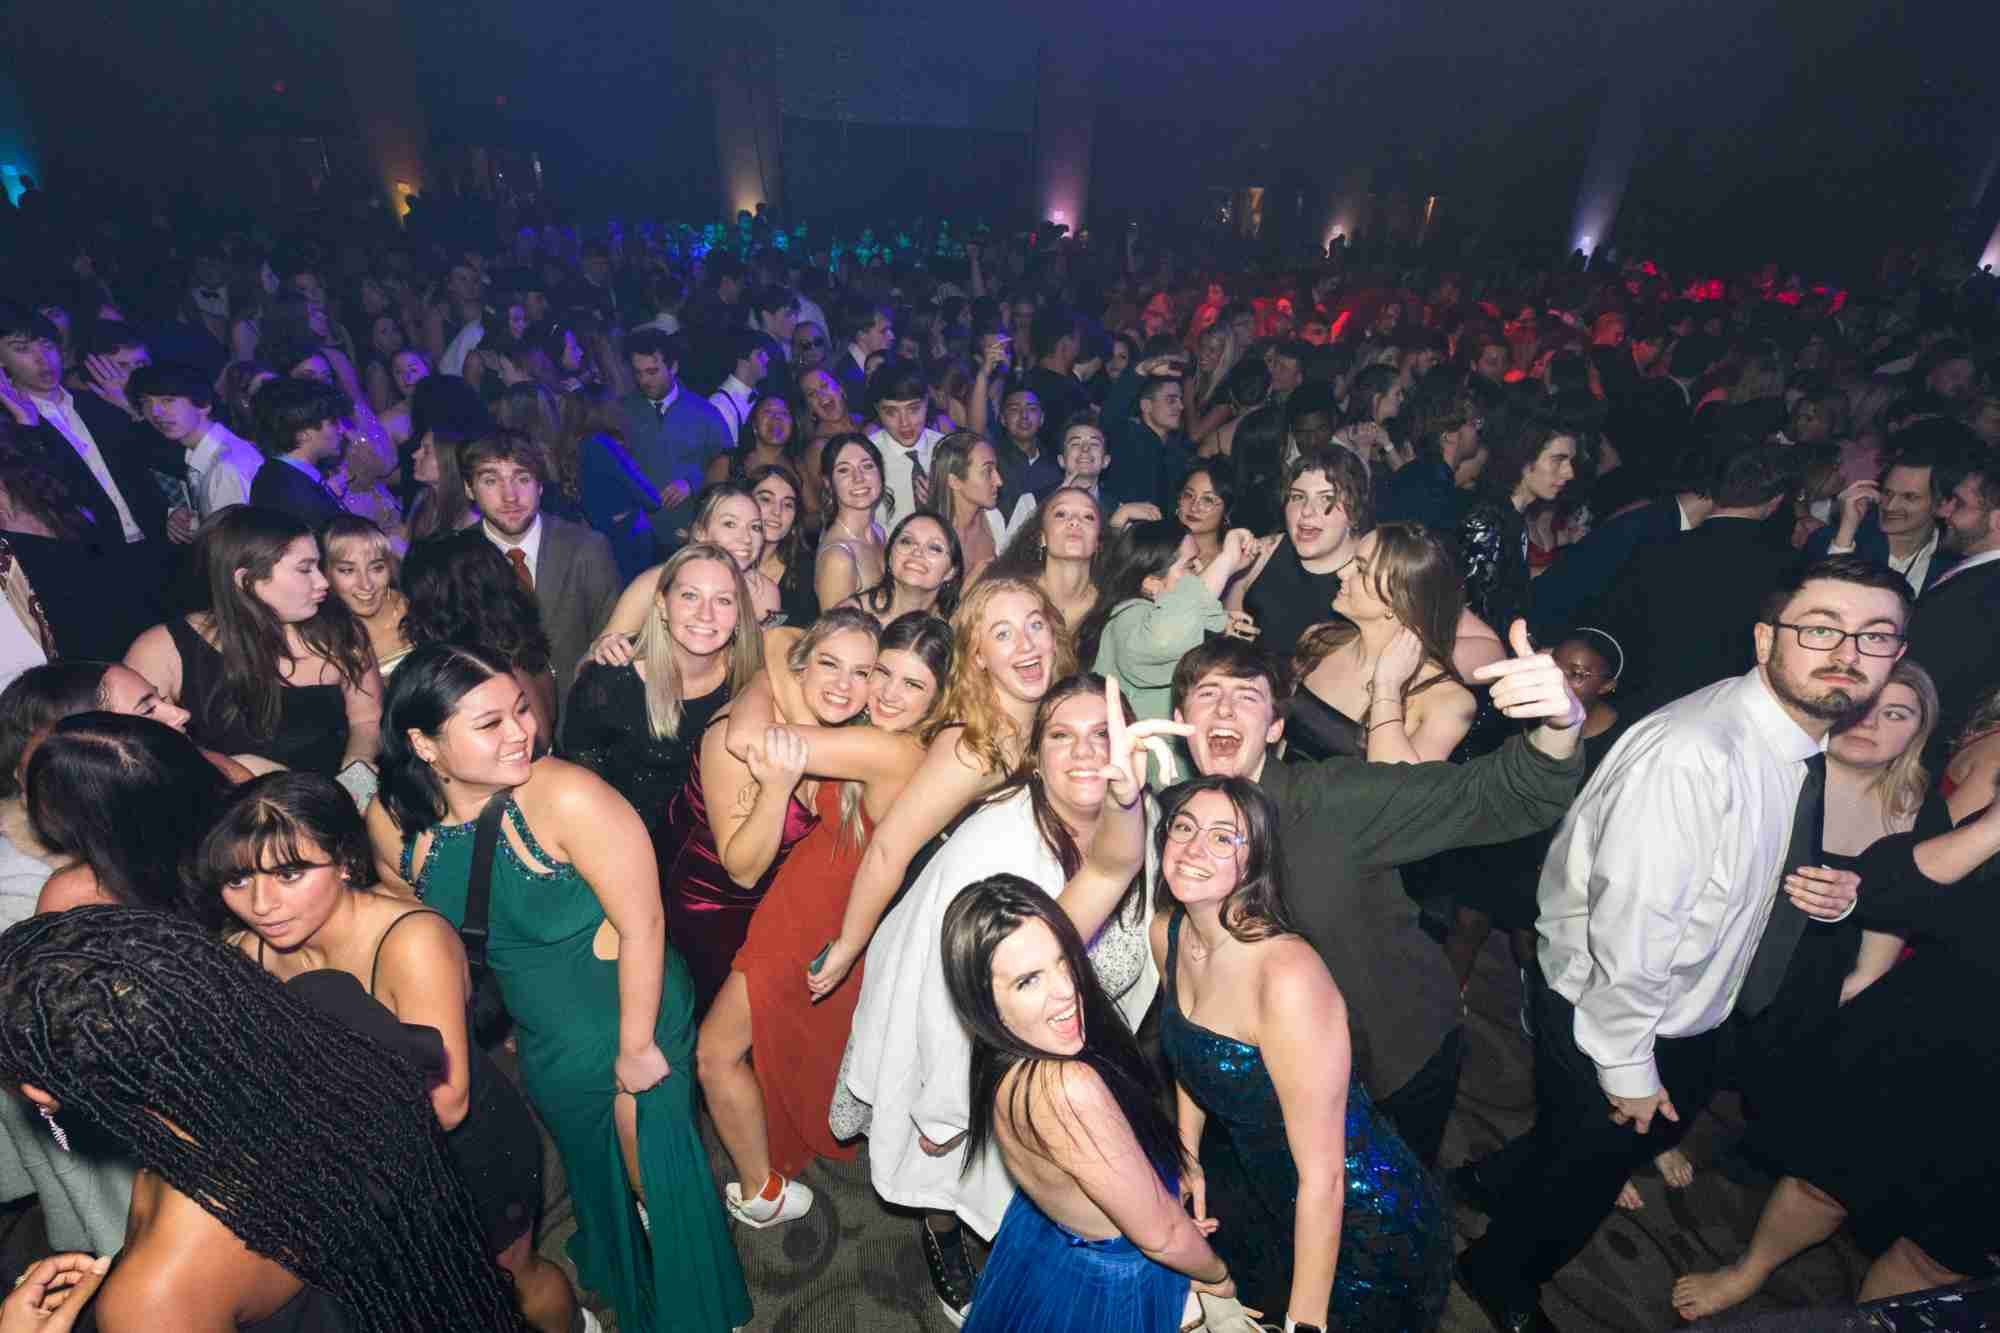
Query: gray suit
x=576 y=585
x=674 y=446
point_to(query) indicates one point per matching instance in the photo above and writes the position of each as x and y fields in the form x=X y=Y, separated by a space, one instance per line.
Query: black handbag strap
x=479 y=884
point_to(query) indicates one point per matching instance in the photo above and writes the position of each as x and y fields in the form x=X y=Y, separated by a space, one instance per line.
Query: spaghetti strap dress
x=796 y=1044
x=564 y=1002
x=312 y=719
x=708 y=913
x=1393 y=1272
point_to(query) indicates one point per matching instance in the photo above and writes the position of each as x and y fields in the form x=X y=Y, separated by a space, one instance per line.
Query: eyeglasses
x=1825 y=638
x=1202 y=502
x=1218 y=839
x=1581 y=674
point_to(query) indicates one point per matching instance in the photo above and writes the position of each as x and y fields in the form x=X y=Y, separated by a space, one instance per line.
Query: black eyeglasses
x=1825 y=638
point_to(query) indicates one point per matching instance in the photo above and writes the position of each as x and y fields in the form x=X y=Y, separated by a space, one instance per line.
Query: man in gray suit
x=671 y=436
x=567 y=566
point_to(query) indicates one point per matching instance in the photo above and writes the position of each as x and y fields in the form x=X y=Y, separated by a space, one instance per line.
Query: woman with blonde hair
x=638 y=724
x=1968 y=779
x=1216 y=354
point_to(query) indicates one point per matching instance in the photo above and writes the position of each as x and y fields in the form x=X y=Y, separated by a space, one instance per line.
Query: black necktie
x=1787 y=922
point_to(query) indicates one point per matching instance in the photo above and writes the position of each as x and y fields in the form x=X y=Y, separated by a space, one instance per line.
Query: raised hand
x=1529 y=685
x=107 y=381
x=16 y=402
x=1124 y=770
x=780 y=760
x=1399 y=661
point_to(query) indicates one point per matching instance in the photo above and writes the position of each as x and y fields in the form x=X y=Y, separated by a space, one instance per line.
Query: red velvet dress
x=796 y=1045
x=708 y=913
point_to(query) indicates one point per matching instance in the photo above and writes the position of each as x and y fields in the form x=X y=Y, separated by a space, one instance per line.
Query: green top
x=1144 y=640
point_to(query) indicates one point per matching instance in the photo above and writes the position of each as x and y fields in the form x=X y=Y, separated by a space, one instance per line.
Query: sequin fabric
x=1394 y=1269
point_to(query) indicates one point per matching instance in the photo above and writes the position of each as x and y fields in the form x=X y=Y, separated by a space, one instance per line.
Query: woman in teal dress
x=1324 y=1216
x=602 y=1006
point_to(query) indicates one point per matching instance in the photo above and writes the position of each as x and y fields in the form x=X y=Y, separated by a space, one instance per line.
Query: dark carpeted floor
x=853 y=1266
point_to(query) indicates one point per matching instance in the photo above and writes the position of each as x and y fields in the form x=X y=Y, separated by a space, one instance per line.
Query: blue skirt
x=1042 y=1279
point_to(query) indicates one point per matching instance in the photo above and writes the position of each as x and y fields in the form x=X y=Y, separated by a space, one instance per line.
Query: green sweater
x=1144 y=640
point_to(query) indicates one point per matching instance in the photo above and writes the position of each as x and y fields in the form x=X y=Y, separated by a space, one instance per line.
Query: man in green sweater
x=1348 y=824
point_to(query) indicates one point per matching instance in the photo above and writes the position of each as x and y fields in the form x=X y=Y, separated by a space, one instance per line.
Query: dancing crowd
x=1063 y=719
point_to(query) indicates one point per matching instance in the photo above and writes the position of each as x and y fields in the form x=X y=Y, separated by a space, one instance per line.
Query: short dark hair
x=856 y=315
x=772 y=297
x=1948 y=448
x=1310 y=397
x=1838 y=569
x=654 y=342
x=1345 y=472
x=1438 y=405
x=1235 y=659
x=169 y=379
x=1746 y=478
x=1152 y=386
x=503 y=446
x=286 y=406
x=742 y=344
x=896 y=381
x=20 y=321
x=284 y=354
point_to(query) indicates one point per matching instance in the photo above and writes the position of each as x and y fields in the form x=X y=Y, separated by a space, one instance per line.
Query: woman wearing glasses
x=1322 y=1214
x=1206 y=499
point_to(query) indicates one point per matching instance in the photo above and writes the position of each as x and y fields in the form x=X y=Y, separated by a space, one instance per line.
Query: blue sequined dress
x=1394 y=1270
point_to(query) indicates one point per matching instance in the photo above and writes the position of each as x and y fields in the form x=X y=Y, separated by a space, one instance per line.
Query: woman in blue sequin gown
x=1256 y=1034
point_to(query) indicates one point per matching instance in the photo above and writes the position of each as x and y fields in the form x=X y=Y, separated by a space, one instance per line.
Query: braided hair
x=314 y=1145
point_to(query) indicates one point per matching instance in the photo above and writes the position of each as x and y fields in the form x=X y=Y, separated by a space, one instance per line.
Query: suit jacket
x=1870 y=544
x=676 y=446
x=125 y=455
x=1573 y=588
x=1686 y=607
x=280 y=486
x=1952 y=636
x=576 y=585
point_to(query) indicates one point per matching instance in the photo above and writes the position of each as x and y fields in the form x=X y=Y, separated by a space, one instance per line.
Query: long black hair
x=127 y=796
x=422 y=696
x=268 y=823
x=315 y=1146
x=1255 y=909
x=241 y=546
x=978 y=920
x=1136 y=552
x=466 y=593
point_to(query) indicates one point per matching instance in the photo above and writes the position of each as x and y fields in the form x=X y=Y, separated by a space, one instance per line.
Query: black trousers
x=1421 y=1107
x=1557 y=1182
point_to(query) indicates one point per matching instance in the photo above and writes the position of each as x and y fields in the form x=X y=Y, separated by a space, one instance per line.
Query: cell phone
x=360 y=781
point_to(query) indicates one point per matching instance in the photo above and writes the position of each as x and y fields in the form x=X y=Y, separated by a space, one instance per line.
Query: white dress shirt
x=899 y=467
x=59 y=410
x=733 y=400
x=1659 y=883
x=460 y=347
x=220 y=470
x=1914 y=570
x=530 y=544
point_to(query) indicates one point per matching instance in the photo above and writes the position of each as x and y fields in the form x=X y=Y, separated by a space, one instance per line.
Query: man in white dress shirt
x=899 y=401
x=750 y=361
x=221 y=464
x=1672 y=898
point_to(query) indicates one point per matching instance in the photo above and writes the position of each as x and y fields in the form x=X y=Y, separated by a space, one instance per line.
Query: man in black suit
x=1584 y=574
x=299 y=431
x=1952 y=631
x=1686 y=606
x=567 y=566
x=93 y=445
x=1893 y=520
x=865 y=329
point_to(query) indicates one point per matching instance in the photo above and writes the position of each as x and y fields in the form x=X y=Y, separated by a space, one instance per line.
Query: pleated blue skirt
x=1042 y=1279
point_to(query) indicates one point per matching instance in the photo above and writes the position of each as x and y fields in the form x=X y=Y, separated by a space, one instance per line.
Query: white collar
x=530 y=543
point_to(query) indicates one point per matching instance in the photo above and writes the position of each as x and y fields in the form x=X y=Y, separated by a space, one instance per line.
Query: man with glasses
x=1672 y=900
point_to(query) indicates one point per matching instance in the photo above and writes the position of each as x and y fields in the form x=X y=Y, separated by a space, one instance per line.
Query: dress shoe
x=1507 y=1317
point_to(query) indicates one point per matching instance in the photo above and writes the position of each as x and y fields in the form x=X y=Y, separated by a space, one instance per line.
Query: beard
x=1830 y=693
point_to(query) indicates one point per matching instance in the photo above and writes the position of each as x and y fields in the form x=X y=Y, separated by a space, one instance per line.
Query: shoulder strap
x=479 y=884
x=1173 y=948
x=375 y=966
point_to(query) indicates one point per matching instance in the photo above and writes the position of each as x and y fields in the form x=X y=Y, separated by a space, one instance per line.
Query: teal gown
x=564 y=1002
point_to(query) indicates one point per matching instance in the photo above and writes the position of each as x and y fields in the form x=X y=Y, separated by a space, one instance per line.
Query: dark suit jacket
x=1685 y=609
x=1574 y=587
x=280 y=486
x=673 y=448
x=1143 y=467
x=576 y=585
x=124 y=450
x=1952 y=636
x=1870 y=544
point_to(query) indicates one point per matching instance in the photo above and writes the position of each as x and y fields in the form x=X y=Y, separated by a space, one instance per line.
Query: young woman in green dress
x=602 y=1006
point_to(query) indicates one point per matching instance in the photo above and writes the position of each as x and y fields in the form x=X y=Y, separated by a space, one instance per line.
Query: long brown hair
x=241 y=546
x=1417 y=577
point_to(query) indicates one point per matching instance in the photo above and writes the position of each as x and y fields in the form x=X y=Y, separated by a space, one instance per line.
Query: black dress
x=312 y=722
x=605 y=729
x=1316 y=730
x=1288 y=599
x=1887 y=1104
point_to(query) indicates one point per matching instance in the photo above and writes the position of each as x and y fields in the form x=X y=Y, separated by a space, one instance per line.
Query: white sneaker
x=794 y=1203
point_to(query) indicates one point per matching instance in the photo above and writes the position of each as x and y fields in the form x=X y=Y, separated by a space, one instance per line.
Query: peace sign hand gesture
x=1125 y=771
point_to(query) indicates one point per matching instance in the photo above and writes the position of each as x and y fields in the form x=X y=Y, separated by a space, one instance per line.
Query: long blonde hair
x=664 y=700
x=1904 y=782
x=839 y=620
x=970 y=698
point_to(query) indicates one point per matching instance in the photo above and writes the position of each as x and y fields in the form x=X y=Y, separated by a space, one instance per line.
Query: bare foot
x=1629 y=1198
x=1699 y=1295
x=1675 y=1168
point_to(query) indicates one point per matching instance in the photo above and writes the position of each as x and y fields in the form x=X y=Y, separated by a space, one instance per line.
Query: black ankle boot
x=951 y=1270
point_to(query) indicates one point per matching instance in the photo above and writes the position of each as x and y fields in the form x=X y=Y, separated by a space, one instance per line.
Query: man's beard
x=1830 y=700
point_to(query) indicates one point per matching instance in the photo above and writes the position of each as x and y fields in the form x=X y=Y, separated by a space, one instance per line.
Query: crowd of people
x=1066 y=717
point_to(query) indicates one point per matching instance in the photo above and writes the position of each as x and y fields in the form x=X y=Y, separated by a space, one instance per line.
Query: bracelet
x=1384 y=722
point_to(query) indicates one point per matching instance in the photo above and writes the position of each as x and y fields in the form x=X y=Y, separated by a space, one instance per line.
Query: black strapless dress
x=312 y=722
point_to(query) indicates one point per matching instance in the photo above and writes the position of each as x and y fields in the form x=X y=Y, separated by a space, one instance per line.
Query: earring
x=62 y=1139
